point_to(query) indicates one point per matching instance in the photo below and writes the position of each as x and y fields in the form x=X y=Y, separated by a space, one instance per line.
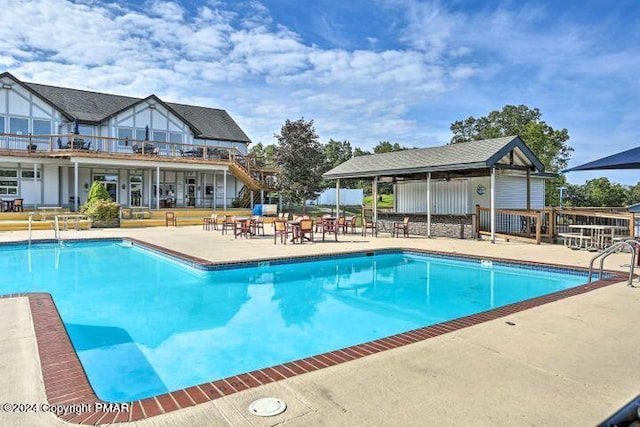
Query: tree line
x=302 y=158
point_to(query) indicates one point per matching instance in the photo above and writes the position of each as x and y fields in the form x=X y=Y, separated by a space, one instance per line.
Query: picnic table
x=591 y=236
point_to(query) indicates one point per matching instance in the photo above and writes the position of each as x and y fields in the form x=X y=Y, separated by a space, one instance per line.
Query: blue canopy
x=629 y=159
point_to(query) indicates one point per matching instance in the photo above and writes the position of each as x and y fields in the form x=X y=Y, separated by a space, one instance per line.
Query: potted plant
x=101 y=210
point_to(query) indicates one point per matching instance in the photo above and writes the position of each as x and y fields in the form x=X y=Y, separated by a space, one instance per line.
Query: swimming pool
x=144 y=324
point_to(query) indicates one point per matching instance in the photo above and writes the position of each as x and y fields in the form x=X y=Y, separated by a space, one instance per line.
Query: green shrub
x=99 y=205
x=102 y=210
x=98 y=192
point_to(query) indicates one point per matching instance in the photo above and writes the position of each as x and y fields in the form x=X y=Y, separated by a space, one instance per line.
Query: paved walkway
x=571 y=362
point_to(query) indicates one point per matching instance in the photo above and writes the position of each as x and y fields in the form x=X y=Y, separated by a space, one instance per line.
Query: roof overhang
x=514 y=155
x=146 y=164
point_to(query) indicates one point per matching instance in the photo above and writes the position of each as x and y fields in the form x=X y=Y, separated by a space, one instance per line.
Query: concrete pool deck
x=570 y=362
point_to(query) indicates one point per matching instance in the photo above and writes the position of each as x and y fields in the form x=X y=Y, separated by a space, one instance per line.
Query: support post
x=528 y=200
x=149 y=188
x=157 y=188
x=251 y=197
x=215 y=190
x=375 y=198
x=224 y=190
x=75 y=186
x=337 y=197
x=429 y=204
x=493 y=205
x=262 y=196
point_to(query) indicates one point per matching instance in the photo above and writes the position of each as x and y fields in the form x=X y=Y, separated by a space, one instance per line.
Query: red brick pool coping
x=66 y=382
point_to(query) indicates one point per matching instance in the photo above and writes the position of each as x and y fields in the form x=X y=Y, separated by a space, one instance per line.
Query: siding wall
x=447 y=197
x=459 y=196
x=511 y=192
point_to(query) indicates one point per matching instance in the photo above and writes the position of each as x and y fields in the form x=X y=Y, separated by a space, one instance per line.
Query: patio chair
x=280 y=229
x=206 y=223
x=350 y=222
x=401 y=226
x=257 y=223
x=170 y=219
x=306 y=230
x=318 y=222
x=369 y=225
x=228 y=223
x=168 y=203
x=18 y=205
x=330 y=226
x=242 y=228
x=214 y=221
x=342 y=224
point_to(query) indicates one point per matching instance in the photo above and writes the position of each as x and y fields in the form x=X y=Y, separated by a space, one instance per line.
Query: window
x=159 y=136
x=28 y=174
x=41 y=127
x=18 y=126
x=140 y=134
x=1 y=124
x=124 y=133
x=175 y=137
x=85 y=130
x=8 y=182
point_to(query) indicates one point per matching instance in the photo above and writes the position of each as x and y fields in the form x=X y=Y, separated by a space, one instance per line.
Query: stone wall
x=453 y=226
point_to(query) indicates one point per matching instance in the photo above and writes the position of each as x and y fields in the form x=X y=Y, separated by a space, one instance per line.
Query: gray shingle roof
x=94 y=107
x=466 y=155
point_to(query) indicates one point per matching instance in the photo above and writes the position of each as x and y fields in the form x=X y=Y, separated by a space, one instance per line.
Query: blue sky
x=365 y=71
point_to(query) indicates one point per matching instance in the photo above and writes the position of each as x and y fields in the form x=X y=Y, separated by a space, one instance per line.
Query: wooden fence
x=545 y=225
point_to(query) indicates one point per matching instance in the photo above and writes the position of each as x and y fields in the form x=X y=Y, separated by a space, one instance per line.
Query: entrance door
x=191 y=192
x=110 y=182
x=135 y=190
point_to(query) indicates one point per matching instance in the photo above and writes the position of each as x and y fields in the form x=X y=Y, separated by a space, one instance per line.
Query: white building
x=54 y=142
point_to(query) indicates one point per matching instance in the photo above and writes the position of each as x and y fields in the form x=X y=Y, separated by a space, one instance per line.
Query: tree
x=603 y=193
x=336 y=153
x=634 y=194
x=599 y=192
x=548 y=144
x=301 y=161
x=387 y=147
x=264 y=154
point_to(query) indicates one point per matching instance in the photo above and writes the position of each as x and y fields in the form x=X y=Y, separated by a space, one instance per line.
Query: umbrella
x=629 y=159
x=146 y=133
x=75 y=126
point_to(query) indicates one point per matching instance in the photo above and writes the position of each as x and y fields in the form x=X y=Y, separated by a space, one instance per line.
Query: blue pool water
x=144 y=324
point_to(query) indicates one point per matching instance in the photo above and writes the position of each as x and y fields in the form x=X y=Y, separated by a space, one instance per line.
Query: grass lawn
x=384 y=201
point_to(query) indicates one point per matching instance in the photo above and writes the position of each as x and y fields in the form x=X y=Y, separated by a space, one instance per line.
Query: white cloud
x=443 y=64
x=236 y=59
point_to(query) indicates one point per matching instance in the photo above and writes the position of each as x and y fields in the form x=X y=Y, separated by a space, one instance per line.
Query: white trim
x=148 y=164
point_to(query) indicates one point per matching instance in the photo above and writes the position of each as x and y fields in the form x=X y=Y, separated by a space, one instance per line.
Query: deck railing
x=61 y=144
x=546 y=224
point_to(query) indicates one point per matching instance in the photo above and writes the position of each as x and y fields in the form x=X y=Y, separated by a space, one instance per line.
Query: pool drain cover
x=267 y=407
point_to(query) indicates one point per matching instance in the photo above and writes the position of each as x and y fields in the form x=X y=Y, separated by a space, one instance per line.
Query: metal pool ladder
x=631 y=244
